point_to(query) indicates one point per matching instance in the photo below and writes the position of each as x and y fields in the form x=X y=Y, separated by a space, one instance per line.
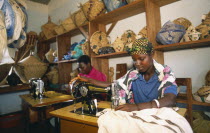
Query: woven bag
x=204 y=30
x=59 y=29
x=143 y=33
x=183 y=21
x=85 y=48
x=48 y=29
x=49 y=55
x=207 y=78
x=30 y=67
x=128 y=38
x=41 y=36
x=118 y=45
x=79 y=18
x=53 y=75
x=68 y=24
x=93 y=8
x=204 y=91
x=98 y=40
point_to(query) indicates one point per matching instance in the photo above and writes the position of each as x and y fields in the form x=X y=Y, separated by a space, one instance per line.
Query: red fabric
x=95 y=74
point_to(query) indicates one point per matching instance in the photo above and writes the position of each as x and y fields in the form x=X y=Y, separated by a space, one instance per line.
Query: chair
x=186 y=97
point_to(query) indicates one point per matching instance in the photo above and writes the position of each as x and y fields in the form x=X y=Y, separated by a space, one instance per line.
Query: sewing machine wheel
x=83 y=90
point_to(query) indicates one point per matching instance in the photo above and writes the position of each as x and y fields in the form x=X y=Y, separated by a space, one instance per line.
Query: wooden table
x=75 y=123
x=37 y=110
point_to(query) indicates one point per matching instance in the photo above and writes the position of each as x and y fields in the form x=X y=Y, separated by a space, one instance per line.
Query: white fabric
x=163 y=120
x=3 y=36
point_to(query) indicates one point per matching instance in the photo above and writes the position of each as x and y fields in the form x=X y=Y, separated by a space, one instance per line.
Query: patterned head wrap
x=141 y=46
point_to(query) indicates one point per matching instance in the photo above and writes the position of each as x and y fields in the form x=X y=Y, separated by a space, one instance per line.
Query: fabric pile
x=144 y=121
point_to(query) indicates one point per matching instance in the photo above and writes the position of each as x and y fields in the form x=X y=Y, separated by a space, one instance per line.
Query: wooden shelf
x=68 y=61
x=7 y=88
x=112 y=55
x=126 y=11
x=184 y=45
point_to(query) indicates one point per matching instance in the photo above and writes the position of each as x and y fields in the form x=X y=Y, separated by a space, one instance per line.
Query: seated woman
x=87 y=70
x=148 y=85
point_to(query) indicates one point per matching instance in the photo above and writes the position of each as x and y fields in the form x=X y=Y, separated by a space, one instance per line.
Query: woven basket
x=30 y=67
x=93 y=8
x=85 y=48
x=204 y=91
x=128 y=38
x=143 y=33
x=48 y=29
x=207 y=78
x=118 y=45
x=98 y=40
x=49 y=55
x=68 y=24
x=79 y=18
x=41 y=36
x=59 y=29
x=183 y=21
x=200 y=98
x=53 y=76
x=204 y=30
x=4 y=70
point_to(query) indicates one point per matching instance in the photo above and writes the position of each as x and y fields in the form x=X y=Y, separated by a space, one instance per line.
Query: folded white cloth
x=163 y=120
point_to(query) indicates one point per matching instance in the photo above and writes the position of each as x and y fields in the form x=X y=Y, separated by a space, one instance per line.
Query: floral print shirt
x=165 y=75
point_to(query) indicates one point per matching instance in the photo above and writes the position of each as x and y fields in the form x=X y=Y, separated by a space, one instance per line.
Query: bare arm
x=96 y=82
x=167 y=101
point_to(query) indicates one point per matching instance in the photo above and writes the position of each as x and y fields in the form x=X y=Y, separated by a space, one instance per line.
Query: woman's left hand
x=127 y=107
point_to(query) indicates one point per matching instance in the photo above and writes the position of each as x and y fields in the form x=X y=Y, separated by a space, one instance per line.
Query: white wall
x=37 y=16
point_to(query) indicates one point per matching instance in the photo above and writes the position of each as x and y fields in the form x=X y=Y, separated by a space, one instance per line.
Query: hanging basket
x=48 y=29
x=30 y=67
x=93 y=8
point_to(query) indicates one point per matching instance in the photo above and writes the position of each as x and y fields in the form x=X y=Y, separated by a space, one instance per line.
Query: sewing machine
x=86 y=91
x=37 y=88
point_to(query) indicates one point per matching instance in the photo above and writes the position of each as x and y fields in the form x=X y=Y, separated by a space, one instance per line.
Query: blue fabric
x=146 y=91
x=9 y=17
x=114 y=4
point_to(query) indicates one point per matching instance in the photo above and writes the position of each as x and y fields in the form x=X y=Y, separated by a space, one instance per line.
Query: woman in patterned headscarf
x=148 y=85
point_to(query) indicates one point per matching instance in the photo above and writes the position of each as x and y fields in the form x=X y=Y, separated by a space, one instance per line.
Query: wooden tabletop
x=65 y=113
x=52 y=97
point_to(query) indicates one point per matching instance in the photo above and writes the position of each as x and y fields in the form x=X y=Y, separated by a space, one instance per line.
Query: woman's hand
x=127 y=107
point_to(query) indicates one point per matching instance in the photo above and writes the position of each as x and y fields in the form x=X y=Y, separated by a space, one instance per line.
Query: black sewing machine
x=85 y=92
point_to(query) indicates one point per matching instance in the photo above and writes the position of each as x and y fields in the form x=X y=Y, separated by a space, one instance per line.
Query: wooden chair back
x=186 y=98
